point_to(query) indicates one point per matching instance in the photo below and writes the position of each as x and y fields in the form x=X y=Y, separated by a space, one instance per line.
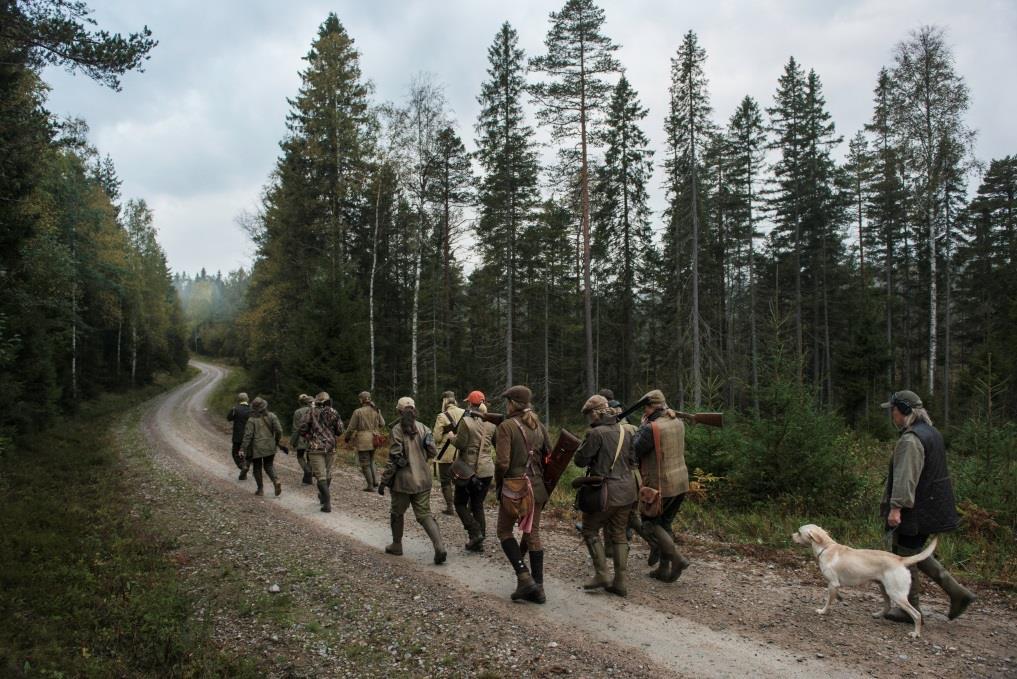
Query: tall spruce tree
x=622 y=235
x=508 y=187
x=571 y=101
x=688 y=128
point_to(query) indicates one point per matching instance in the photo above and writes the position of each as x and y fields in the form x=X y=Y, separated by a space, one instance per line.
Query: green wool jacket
x=416 y=476
x=261 y=436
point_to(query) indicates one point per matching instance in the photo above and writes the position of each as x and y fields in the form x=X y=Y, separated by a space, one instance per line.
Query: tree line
x=390 y=258
x=87 y=300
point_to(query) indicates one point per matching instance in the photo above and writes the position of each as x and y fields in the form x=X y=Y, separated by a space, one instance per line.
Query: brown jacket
x=597 y=453
x=514 y=441
x=475 y=439
x=365 y=422
x=415 y=477
x=673 y=478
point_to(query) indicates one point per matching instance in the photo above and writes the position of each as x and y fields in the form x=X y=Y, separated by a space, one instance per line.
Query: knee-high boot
x=621 y=560
x=537 y=570
x=325 y=495
x=596 y=549
x=446 y=492
x=476 y=540
x=525 y=585
x=960 y=596
x=395 y=522
x=365 y=469
x=430 y=527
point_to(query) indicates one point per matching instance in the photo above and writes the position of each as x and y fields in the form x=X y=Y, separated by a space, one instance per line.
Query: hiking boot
x=260 y=491
x=396 y=523
x=599 y=580
x=243 y=475
x=526 y=588
x=621 y=560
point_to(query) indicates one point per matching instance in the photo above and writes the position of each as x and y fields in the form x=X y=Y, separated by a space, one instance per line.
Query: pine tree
x=571 y=102
x=508 y=188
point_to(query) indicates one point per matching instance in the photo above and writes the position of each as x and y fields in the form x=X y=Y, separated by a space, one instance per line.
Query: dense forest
x=88 y=303
x=388 y=257
x=796 y=277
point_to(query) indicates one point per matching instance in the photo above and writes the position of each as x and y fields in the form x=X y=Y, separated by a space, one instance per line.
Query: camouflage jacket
x=321 y=427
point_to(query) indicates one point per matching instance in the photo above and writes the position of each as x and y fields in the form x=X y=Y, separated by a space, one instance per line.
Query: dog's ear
x=818 y=535
x=811 y=533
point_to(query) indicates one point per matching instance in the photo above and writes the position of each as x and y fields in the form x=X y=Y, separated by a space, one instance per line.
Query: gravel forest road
x=729 y=615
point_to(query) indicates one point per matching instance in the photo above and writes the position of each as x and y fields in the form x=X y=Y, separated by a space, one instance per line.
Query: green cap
x=908 y=397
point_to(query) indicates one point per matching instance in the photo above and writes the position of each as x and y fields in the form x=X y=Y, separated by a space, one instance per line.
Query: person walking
x=238 y=415
x=473 y=471
x=606 y=453
x=918 y=500
x=408 y=475
x=261 y=437
x=521 y=442
x=659 y=445
x=444 y=431
x=321 y=427
x=366 y=425
x=297 y=442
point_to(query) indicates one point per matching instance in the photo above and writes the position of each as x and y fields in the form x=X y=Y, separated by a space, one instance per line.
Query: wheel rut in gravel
x=179 y=421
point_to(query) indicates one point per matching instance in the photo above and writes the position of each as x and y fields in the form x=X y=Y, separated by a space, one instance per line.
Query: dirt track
x=727 y=617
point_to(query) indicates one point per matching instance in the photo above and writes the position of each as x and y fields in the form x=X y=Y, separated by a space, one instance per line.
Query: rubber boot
x=665 y=544
x=476 y=540
x=430 y=527
x=481 y=518
x=307 y=480
x=960 y=596
x=365 y=469
x=259 y=480
x=899 y=614
x=621 y=560
x=596 y=549
x=374 y=474
x=326 y=497
x=677 y=566
x=446 y=491
x=608 y=546
x=525 y=585
x=537 y=571
x=396 y=523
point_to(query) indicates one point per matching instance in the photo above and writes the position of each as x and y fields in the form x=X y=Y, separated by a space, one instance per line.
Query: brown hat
x=519 y=394
x=655 y=398
x=305 y=399
x=364 y=396
x=607 y=393
x=322 y=397
x=404 y=403
x=596 y=404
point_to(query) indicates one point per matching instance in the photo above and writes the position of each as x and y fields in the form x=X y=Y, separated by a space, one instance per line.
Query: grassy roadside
x=85 y=587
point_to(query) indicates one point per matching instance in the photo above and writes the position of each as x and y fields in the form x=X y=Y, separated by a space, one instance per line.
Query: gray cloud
x=197 y=134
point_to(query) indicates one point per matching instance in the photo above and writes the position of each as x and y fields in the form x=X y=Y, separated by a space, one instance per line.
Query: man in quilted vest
x=659 y=445
x=918 y=500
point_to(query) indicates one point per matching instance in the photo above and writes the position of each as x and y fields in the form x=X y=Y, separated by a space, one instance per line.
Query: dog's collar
x=820 y=553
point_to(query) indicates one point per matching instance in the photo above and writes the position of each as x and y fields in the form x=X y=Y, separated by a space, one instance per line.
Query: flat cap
x=322 y=397
x=519 y=393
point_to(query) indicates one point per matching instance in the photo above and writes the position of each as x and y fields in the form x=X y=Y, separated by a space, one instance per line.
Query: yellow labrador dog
x=843 y=566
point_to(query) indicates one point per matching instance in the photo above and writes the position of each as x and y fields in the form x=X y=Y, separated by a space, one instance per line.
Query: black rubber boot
x=475 y=543
x=430 y=527
x=537 y=571
x=960 y=596
x=326 y=497
x=525 y=585
x=307 y=480
x=396 y=523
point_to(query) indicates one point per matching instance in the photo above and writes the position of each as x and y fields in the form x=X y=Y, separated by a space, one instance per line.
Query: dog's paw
x=821 y=611
x=878 y=614
x=915 y=635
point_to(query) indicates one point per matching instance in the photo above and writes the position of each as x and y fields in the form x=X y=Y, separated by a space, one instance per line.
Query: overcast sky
x=197 y=134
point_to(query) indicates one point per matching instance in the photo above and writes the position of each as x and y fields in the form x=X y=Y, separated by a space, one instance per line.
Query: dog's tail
x=922 y=555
